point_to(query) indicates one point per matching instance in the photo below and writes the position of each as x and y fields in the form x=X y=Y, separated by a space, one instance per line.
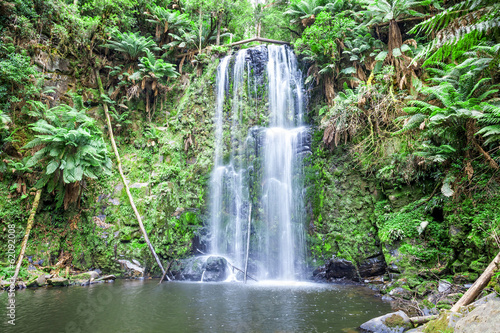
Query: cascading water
x=258 y=170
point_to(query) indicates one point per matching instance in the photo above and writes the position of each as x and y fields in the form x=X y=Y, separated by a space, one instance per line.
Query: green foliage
x=458 y=28
x=322 y=37
x=114 y=13
x=4 y=121
x=462 y=94
x=131 y=44
x=17 y=80
x=303 y=9
x=387 y=10
x=477 y=225
x=71 y=143
x=344 y=119
x=153 y=68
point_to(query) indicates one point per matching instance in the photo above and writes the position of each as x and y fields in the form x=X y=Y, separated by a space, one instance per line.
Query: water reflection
x=145 y=306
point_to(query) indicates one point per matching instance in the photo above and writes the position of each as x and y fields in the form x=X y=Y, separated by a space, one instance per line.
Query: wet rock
x=444 y=286
x=215 y=269
x=90 y=275
x=58 y=282
x=481 y=316
x=454 y=230
x=337 y=268
x=373 y=266
x=396 y=322
x=114 y=201
x=401 y=293
x=41 y=281
x=131 y=270
x=206 y=268
x=37 y=281
x=375 y=280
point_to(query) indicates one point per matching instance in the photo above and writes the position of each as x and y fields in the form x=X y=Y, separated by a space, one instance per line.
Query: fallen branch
x=31 y=220
x=248 y=243
x=166 y=272
x=491 y=161
x=119 y=164
x=422 y=319
x=471 y=294
x=236 y=268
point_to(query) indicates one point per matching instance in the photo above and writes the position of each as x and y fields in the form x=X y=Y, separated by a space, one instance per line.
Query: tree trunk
x=201 y=28
x=31 y=220
x=471 y=294
x=395 y=38
x=248 y=242
x=217 y=42
x=119 y=163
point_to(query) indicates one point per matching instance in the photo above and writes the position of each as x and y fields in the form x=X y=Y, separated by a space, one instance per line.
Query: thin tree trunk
x=119 y=163
x=201 y=26
x=31 y=220
x=248 y=241
x=218 y=29
x=471 y=294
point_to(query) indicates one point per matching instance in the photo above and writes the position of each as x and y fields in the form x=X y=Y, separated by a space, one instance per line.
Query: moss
x=396 y=321
x=439 y=325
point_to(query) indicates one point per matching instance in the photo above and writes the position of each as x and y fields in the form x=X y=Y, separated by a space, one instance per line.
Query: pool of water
x=145 y=306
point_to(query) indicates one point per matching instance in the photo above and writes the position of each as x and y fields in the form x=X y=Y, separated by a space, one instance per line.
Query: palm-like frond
x=4 y=120
x=72 y=143
x=155 y=68
x=303 y=9
x=459 y=25
x=387 y=10
x=132 y=44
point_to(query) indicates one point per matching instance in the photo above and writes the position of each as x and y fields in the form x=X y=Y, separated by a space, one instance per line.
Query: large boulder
x=396 y=322
x=131 y=269
x=201 y=268
x=484 y=317
x=58 y=282
x=337 y=268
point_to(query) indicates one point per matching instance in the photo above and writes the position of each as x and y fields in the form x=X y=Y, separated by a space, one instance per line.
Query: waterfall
x=260 y=142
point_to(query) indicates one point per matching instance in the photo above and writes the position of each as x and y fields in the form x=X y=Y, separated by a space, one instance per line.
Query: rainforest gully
x=249 y=166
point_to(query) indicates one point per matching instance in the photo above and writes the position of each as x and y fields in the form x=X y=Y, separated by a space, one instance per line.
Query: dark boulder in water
x=337 y=268
x=201 y=268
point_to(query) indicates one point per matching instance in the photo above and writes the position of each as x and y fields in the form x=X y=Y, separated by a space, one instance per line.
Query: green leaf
x=381 y=56
x=52 y=166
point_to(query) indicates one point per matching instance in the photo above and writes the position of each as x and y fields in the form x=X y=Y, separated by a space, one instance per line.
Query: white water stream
x=260 y=167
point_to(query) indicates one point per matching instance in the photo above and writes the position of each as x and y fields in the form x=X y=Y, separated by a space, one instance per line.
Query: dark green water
x=145 y=306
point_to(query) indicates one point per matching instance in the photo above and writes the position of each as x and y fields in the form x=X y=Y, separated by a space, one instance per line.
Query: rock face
x=484 y=318
x=202 y=268
x=396 y=322
x=337 y=268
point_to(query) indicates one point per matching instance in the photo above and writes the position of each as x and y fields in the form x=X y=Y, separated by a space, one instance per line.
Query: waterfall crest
x=259 y=168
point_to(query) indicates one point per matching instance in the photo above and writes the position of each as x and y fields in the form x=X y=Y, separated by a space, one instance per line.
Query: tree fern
x=131 y=44
x=460 y=97
x=459 y=27
x=72 y=147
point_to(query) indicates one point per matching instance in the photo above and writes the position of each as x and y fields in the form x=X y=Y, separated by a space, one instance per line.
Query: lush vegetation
x=404 y=102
